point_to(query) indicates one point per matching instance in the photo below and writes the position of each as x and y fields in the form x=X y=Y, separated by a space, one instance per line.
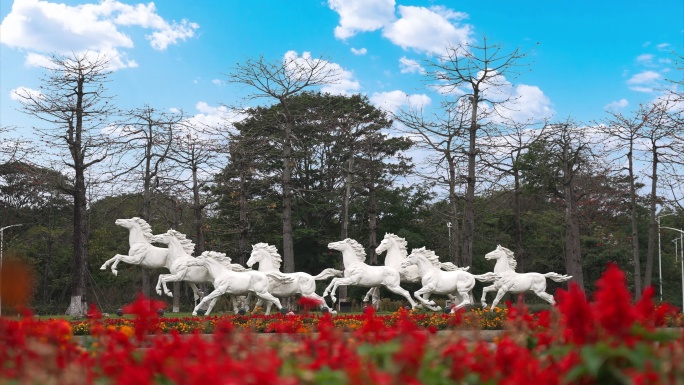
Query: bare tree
x=478 y=74
x=73 y=100
x=147 y=135
x=281 y=80
x=442 y=136
x=195 y=155
x=659 y=134
x=503 y=153
x=626 y=130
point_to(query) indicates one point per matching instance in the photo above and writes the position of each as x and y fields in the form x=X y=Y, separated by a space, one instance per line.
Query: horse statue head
x=176 y=241
x=503 y=253
x=391 y=240
x=266 y=255
x=417 y=254
x=350 y=245
x=138 y=224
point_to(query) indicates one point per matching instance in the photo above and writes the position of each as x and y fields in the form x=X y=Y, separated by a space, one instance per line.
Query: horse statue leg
x=334 y=283
x=486 y=290
x=115 y=262
x=214 y=294
x=270 y=299
x=502 y=291
x=545 y=296
x=402 y=292
x=465 y=299
x=424 y=300
x=368 y=295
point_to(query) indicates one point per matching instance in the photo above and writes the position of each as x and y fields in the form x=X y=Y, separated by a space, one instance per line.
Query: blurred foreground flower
x=16 y=283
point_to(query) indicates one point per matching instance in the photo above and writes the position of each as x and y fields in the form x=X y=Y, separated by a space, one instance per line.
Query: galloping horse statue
x=358 y=273
x=456 y=284
x=513 y=282
x=395 y=246
x=303 y=284
x=234 y=283
x=180 y=252
x=141 y=251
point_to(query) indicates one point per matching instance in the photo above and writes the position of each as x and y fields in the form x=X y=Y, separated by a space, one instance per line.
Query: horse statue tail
x=487 y=277
x=328 y=273
x=448 y=266
x=279 y=278
x=555 y=277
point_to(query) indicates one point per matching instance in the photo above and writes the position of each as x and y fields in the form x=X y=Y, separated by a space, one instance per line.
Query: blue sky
x=583 y=56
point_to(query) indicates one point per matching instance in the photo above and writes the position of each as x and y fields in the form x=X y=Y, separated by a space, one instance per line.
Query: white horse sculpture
x=303 y=284
x=234 y=283
x=141 y=251
x=456 y=284
x=358 y=273
x=511 y=281
x=179 y=253
x=395 y=246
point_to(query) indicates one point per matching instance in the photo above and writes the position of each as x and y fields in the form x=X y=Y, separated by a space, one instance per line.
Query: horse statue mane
x=276 y=259
x=187 y=244
x=358 y=249
x=144 y=226
x=221 y=257
x=512 y=263
x=401 y=242
x=429 y=255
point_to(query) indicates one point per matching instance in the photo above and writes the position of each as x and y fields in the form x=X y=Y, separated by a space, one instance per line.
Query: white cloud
x=393 y=100
x=617 y=104
x=428 y=30
x=407 y=65
x=361 y=51
x=346 y=82
x=44 y=27
x=663 y=46
x=644 y=81
x=361 y=15
x=20 y=93
x=214 y=116
x=528 y=103
x=218 y=82
x=645 y=59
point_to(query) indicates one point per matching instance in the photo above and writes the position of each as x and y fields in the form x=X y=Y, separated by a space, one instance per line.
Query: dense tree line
x=308 y=168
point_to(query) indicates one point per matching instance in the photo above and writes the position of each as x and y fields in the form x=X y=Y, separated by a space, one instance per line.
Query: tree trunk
x=288 y=243
x=653 y=222
x=372 y=221
x=243 y=230
x=452 y=225
x=635 y=227
x=469 y=210
x=573 y=257
x=78 y=305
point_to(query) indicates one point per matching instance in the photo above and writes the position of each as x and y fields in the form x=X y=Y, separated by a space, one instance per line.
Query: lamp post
x=2 y=238
x=449 y=227
x=681 y=250
x=660 y=259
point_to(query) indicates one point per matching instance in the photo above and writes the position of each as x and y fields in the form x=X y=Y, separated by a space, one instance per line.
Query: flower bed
x=609 y=340
x=482 y=319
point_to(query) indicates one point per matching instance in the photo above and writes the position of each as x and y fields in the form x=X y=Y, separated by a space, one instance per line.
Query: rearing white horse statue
x=141 y=251
x=513 y=282
x=358 y=273
x=303 y=284
x=395 y=246
x=456 y=284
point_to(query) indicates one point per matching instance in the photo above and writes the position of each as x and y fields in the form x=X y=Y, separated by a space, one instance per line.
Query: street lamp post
x=660 y=259
x=449 y=227
x=681 y=250
x=2 y=239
